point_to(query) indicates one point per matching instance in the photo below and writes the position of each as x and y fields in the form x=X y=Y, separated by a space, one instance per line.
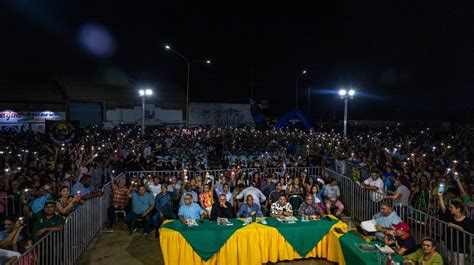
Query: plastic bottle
x=389 y=259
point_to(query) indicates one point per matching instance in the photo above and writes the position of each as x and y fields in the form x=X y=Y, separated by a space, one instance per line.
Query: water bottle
x=389 y=259
x=379 y=257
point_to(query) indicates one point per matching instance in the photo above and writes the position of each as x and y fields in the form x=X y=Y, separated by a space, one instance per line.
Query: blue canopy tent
x=294 y=120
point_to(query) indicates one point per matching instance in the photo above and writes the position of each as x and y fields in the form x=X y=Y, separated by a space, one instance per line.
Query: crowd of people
x=42 y=180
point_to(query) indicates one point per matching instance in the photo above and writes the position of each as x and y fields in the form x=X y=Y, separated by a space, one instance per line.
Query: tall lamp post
x=346 y=95
x=143 y=94
x=189 y=63
x=296 y=88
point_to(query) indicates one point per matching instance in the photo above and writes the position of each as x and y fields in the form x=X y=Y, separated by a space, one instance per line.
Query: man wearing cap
x=400 y=239
x=46 y=220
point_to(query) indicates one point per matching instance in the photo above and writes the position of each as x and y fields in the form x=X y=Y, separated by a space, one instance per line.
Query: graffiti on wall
x=220 y=114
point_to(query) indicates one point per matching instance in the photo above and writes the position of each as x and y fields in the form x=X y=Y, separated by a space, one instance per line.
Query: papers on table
x=369 y=226
x=192 y=222
x=385 y=249
x=288 y=219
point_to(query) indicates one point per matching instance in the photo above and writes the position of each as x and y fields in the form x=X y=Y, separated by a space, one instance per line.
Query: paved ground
x=119 y=248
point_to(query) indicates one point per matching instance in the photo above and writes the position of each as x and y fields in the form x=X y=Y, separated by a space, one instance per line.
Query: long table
x=256 y=243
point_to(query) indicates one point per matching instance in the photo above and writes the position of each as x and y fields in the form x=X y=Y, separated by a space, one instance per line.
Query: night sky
x=408 y=61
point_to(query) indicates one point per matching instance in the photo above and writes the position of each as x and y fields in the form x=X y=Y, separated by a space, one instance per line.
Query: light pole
x=296 y=89
x=189 y=63
x=143 y=94
x=346 y=95
x=309 y=101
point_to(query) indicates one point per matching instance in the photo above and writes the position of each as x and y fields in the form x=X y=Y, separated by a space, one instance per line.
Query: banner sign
x=62 y=132
x=9 y=116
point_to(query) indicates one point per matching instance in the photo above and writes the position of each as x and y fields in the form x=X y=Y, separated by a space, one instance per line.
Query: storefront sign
x=11 y=117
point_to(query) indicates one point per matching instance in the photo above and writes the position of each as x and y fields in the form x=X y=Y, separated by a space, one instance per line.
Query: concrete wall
x=154 y=115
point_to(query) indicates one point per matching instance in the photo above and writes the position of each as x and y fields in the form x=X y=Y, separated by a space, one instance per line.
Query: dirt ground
x=120 y=248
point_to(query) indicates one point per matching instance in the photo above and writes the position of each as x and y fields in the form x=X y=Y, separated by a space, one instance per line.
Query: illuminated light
x=304 y=71
x=167 y=47
x=141 y=92
x=342 y=92
x=148 y=92
x=352 y=92
x=208 y=61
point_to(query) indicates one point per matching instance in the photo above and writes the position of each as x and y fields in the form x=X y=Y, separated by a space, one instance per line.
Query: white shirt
x=154 y=189
x=378 y=195
x=256 y=194
x=332 y=192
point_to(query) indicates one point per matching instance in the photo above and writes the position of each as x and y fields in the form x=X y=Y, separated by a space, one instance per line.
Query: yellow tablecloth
x=253 y=245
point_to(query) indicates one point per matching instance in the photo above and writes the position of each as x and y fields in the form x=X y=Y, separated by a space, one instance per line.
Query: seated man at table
x=310 y=208
x=426 y=255
x=400 y=239
x=221 y=208
x=281 y=208
x=190 y=210
x=248 y=208
x=385 y=220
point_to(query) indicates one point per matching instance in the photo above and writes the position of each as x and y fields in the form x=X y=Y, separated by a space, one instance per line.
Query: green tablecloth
x=354 y=256
x=207 y=238
x=302 y=236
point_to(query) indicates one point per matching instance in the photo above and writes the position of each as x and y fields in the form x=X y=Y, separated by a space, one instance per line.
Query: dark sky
x=408 y=61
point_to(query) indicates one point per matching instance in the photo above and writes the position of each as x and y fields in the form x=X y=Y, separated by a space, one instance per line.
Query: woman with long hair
x=65 y=203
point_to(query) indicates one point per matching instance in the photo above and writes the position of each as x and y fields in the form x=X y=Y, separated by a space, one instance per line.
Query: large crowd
x=42 y=182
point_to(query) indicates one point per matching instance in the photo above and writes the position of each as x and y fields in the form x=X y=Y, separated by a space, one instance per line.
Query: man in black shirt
x=221 y=209
x=401 y=240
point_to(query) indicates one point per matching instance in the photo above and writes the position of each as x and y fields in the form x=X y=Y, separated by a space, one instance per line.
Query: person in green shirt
x=46 y=220
x=427 y=255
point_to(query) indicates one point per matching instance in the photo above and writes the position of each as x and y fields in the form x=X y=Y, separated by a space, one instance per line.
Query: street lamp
x=143 y=93
x=189 y=63
x=346 y=95
x=296 y=89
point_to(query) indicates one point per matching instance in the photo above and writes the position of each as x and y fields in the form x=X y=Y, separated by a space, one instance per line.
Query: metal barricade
x=10 y=206
x=81 y=226
x=293 y=171
x=455 y=245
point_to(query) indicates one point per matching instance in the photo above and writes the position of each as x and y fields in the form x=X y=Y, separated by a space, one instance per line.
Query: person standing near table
x=226 y=191
x=188 y=190
x=257 y=195
x=206 y=198
x=221 y=209
x=281 y=208
x=274 y=195
x=376 y=187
